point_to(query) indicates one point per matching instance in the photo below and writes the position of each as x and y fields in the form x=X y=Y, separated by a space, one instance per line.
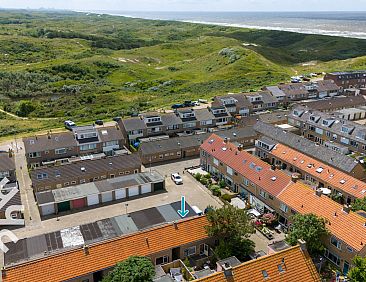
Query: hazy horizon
x=191 y=5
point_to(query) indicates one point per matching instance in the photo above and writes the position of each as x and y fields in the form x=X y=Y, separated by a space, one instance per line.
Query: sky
x=190 y=5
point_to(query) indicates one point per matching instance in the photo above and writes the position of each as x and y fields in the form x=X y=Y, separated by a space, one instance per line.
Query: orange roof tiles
x=348 y=227
x=73 y=263
x=297 y=267
x=249 y=166
x=337 y=179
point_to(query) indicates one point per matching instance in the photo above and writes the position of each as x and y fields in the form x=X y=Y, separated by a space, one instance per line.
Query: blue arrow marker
x=183 y=212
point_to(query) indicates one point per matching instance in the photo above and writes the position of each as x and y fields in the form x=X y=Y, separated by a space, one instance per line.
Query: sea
x=345 y=24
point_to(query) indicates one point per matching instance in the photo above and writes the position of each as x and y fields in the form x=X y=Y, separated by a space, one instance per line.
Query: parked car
x=177 y=179
x=69 y=124
x=203 y=101
x=117 y=119
x=99 y=122
x=188 y=104
x=195 y=103
x=177 y=106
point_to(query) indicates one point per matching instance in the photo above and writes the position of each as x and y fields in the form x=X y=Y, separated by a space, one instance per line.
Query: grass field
x=84 y=67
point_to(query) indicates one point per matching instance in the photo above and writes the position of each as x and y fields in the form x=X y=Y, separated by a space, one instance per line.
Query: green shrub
x=226 y=197
x=215 y=189
x=198 y=176
x=208 y=176
x=204 y=181
x=222 y=183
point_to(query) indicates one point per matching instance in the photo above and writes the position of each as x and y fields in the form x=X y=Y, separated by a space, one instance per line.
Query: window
x=281 y=268
x=335 y=242
x=229 y=170
x=121 y=173
x=82 y=181
x=60 y=151
x=161 y=156
x=246 y=182
x=332 y=257
x=334 y=137
x=162 y=260
x=110 y=143
x=190 y=251
x=216 y=162
x=88 y=147
x=112 y=176
x=262 y=193
x=270 y=197
x=34 y=155
x=66 y=184
x=354 y=143
x=73 y=182
x=349 y=249
x=344 y=140
x=283 y=207
x=265 y=274
x=41 y=176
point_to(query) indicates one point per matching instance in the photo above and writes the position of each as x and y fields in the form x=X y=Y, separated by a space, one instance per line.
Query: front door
x=176 y=253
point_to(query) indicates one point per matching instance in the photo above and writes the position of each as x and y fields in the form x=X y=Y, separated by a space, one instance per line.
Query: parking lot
x=195 y=195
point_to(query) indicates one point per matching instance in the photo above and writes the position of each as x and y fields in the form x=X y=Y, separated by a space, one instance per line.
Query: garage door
x=146 y=188
x=48 y=209
x=93 y=200
x=107 y=197
x=120 y=194
x=64 y=206
x=133 y=191
x=78 y=204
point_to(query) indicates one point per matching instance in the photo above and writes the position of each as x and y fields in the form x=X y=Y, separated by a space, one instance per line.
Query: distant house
x=83 y=140
x=309 y=148
x=322 y=127
x=7 y=166
x=350 y=79
x=84 y=171
x=176 y=148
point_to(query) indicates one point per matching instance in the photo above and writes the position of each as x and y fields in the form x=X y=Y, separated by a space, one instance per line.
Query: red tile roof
x=249 y=166
x=297 y=266
x=73 y=263
x=317 y=169
x=348 y=227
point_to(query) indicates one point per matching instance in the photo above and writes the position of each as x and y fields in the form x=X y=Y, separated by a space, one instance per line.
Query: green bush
x=198 y=176
x=226 y=197
x=215 y=189
x=208 y=176
x=222 y=183
x=204 y=181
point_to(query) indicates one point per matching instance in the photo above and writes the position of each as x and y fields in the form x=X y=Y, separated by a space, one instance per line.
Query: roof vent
x=274 y=178
x=342 y=181
x=86 y=249
x=110 y=163
x=83 y=169
x=224 y=148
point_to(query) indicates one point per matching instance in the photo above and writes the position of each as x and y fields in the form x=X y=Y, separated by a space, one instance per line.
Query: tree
x=358 y=272
x=309 y=228
x=25 y=108
x=232 y=227
x=359 y=204
x=133 y=269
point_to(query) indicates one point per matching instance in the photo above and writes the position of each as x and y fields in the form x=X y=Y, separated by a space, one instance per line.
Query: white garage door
x=107 y=197
x=120 y=194
x=93 y=200
x=48 y=209
x=133 y=191
x=146 y=188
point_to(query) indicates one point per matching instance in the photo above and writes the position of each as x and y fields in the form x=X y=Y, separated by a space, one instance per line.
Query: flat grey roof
x=90 y=188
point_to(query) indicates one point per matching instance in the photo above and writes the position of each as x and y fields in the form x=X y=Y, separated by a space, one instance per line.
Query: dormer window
x=328 y=122
x=314 y=118
x=298 y=113
x=347 y=129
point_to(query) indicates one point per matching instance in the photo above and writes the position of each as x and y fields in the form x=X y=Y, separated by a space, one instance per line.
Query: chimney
x=347 y=208
x=318 y=192
x=228 y=271
x=302 y=244
x=86 y=249
x=49 y=135
x=225 y=140
x=273 y=167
